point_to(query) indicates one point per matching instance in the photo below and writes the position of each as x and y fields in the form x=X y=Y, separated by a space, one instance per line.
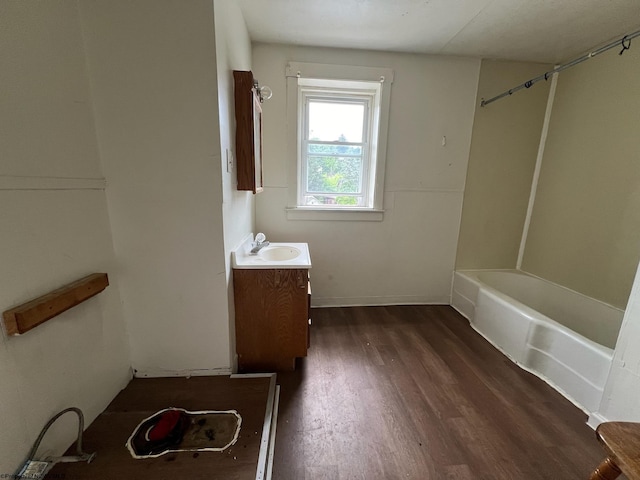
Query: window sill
x=335 y=214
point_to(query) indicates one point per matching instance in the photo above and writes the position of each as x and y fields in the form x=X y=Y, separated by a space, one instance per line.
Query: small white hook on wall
x=444 y=140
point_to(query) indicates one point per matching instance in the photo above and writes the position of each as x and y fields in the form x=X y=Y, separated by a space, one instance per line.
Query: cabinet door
x=248 y=133
x=271 y=317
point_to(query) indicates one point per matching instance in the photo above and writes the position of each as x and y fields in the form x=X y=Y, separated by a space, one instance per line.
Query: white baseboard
x=595 y=419
x=252 y=375
x=160 y=373
x=379 y=301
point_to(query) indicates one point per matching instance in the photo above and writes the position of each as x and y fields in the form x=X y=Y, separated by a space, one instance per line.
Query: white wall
x=585 y=225
x=409 y=256
x=55 y=229
x=504 y=148
x=233 y=52
x=152 y=66
x=621 y=393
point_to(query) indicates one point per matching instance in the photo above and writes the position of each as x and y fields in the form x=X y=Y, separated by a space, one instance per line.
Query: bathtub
x=562 y=336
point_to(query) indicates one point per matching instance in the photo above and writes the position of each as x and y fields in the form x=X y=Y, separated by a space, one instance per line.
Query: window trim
x=344 y=73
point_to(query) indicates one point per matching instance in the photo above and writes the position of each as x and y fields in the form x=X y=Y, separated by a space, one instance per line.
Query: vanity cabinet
x=272 y=318
x=248 y=132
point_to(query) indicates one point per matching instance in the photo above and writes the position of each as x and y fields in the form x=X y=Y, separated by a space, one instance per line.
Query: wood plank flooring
x=412 y=392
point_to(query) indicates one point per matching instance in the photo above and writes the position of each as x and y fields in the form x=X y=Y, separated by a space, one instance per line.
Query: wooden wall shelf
x=29 y=315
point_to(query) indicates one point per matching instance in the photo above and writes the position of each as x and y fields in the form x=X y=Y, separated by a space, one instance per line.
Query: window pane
x=335 y=122
x=334 y=174
x=342 y=200
x=335 y=149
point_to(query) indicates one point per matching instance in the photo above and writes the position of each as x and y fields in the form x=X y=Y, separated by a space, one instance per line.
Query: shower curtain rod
x=624 y=42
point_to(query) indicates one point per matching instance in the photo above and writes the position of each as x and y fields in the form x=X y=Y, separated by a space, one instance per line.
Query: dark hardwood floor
x=412 y=392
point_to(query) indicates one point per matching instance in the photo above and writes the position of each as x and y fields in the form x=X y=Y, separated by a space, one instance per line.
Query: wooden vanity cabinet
x=272 y=318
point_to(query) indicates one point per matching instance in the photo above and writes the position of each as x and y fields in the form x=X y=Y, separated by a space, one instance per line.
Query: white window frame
x=366 y=94
x=306 y=81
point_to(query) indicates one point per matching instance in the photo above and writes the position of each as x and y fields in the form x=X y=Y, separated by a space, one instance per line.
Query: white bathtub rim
x=532 y=314
x=477 y=271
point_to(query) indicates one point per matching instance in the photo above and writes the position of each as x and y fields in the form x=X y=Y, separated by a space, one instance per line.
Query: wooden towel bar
x=29 y=315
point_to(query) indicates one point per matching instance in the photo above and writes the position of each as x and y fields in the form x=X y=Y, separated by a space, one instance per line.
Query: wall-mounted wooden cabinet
x=272 y=318
x=248 y=132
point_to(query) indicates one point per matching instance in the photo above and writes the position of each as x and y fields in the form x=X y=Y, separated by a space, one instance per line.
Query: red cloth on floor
x=168 y=421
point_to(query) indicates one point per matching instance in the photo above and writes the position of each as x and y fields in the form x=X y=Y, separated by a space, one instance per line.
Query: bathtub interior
x=571 y=362
x=590 y=318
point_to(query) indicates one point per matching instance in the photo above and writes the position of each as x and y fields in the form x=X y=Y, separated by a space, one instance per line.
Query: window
x=340 y=141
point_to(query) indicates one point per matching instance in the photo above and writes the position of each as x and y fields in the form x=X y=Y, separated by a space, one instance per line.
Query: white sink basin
x=275 y=255
x=279 y=253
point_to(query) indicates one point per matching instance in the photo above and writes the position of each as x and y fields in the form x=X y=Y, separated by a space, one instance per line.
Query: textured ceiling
x=548 y=31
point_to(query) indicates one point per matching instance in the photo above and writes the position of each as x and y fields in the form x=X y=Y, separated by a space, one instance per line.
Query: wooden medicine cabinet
x=248 y=132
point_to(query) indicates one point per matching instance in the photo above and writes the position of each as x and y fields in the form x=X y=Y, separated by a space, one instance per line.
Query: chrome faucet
x=259 y=243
